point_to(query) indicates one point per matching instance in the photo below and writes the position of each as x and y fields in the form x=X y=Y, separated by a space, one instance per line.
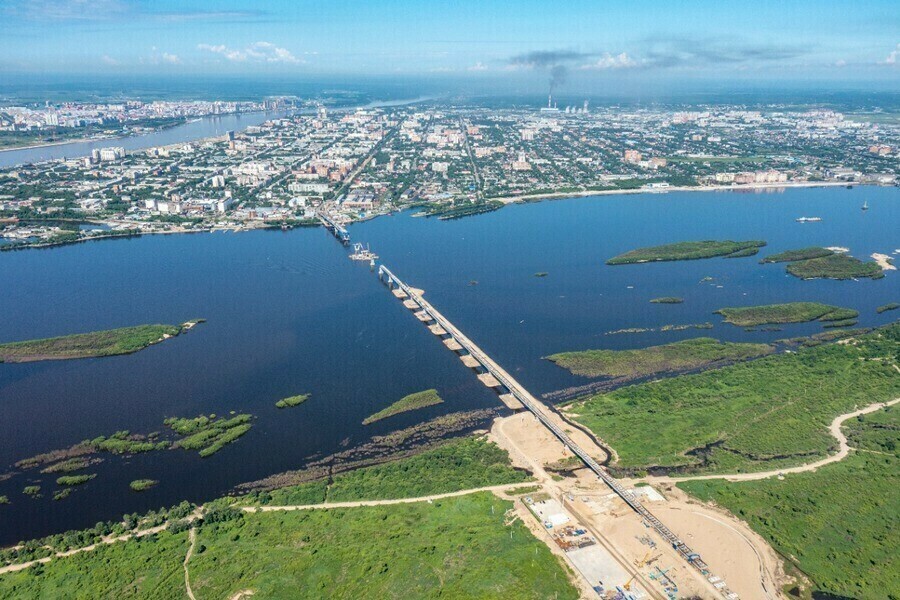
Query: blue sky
x=595 y=42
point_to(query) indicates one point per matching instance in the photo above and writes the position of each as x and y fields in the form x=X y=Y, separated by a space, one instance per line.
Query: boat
x=808 y=219
x=865 y=205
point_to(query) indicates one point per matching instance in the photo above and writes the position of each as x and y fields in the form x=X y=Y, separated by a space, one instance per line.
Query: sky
x=568 y=44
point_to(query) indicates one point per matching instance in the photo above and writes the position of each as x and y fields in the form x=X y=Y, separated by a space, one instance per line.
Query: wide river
x=288 y=313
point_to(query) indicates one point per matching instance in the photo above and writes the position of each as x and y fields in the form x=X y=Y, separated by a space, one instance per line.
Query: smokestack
x=550 y=100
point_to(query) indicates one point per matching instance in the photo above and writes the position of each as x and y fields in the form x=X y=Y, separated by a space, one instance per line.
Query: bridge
x=475 y=357
x=334 y=227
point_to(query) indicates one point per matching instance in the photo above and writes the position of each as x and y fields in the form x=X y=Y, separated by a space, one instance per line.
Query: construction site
x=626 y=542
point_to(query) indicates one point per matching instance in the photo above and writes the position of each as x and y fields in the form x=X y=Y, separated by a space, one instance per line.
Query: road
x=834 y=429
x=358 y=503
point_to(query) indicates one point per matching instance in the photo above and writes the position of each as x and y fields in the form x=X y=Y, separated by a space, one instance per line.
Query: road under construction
x=516 y=397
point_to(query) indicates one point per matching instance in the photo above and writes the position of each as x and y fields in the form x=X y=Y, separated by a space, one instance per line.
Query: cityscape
x=448 y=161
x=408 y=300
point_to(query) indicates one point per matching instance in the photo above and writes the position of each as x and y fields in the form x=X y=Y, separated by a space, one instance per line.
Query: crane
x=627 y=586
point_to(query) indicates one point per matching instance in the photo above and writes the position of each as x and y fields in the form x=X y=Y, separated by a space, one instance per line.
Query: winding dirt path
x=187 y=559
x=358 y=503
x=834 y=429
x=198 y=513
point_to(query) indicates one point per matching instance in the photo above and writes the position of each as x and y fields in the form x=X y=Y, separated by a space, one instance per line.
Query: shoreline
x=523 y=198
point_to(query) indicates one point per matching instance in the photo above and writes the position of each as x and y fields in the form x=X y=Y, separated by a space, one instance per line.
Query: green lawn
x=753 y=416
x=688 y=251
x=669 y=358
x=840 y=524
x=85 y=345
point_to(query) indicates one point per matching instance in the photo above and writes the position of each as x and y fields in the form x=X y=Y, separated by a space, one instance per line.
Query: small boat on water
x=808 y=219
x=865 y=205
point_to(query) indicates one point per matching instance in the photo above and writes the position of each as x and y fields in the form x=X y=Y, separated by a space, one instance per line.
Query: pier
x=335 y=228
x=515 y=396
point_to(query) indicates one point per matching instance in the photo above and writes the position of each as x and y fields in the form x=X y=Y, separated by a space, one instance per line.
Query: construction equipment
x=640 y=563
x=627 y=586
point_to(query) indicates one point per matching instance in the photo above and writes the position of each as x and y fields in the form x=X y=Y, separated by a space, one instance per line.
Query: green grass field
x=463 y=463
x=406 y=404
x=87 y=345
x=461 y=547
x=453 y=548
x=754 y=416
x=687 y=251
x=839 y=524
x=790 y=312
x=685 y=355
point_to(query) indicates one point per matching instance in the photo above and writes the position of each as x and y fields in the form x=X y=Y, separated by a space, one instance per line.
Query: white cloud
x=610 y=61
x=891 y=59
x=172 y=59
x=108 y=60
x=259 y=52
x=479 y=66
x=841 y=63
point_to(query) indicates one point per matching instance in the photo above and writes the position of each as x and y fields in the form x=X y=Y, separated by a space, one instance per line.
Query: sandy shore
x=884 y=261
x=698 y=188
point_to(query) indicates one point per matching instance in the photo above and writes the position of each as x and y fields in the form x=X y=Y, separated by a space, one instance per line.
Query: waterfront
x=190 y=131
x=287 y=313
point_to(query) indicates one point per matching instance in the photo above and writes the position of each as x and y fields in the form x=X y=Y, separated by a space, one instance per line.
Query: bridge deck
x=542 y=413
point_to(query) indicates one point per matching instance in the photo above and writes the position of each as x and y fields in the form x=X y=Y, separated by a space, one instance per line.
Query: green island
x=292 y=401
x=821 y=263
x=406 y=404
x=845 y=542
x=680 y=356
x=463 y=546
x=32 y=490
x=205 y=434
x=667 y=300
x=4 y=500
x=836 y=266
x=790 y=312
x=768 y=413
x=886 y=307
x=795 y=255
x=209 y=434
x=541 y=274
x=70 y=480
x=112 y=342
x=139 y=485
x=688 y=251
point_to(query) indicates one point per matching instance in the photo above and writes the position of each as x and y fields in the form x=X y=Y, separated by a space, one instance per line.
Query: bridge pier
x=516 y=397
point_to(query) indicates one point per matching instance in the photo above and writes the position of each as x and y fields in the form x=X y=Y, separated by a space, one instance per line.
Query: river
x=200 y=128
x=287 y=313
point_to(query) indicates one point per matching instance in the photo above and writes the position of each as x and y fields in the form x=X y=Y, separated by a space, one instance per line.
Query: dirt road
x=834 y=429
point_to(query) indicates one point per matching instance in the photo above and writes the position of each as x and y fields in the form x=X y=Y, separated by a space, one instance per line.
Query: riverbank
x=698 y=188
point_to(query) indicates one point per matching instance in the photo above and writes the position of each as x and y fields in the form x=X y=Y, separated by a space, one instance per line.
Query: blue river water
x=192 y=130
x=288 y=313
